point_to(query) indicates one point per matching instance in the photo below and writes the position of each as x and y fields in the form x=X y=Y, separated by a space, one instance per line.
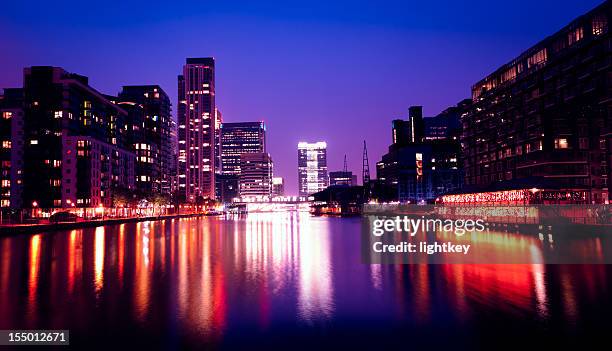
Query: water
x=284 y=280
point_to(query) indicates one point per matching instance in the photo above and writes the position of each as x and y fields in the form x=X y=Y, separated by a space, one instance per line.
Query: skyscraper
x=312 y=167
x=240 y=138
x=255 y=174
x=196 y=118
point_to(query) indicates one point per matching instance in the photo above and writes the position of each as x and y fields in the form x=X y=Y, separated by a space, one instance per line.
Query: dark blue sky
x=338 y=71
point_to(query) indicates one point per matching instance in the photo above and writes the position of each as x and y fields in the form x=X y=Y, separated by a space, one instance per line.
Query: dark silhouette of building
x=196 y=132
x=228 y=187
x=421 y=167
x=345 y=178
x=547 y=113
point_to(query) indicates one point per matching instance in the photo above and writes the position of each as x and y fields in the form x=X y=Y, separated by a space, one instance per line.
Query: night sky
x=337 y=71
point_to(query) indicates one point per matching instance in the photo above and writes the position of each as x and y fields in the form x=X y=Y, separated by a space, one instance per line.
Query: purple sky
x=312 y=70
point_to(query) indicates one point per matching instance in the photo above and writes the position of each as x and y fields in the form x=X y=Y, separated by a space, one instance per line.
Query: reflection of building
x=342 y=178
x=418 y=168
x=278 y=186
x=547 y=113
x=255 y=174
x=240 y=138
x=74 y=142
x=11 y=151
x=196 y=113
x=312 y=167
x=149 y=130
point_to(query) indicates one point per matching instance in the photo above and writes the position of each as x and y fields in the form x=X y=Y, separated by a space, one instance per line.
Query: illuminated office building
x=240 y=138
x=312 y=167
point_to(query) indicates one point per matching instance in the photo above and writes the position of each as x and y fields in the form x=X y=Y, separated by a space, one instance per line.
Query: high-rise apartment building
x=312 y=167
x=149 y=124
x=240 y=138
x=69 y=147
x=196 y=122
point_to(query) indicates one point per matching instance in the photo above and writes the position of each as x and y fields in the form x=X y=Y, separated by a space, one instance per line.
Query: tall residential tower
x=196 y=113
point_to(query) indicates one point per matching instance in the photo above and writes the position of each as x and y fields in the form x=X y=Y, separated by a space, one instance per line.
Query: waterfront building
x=419 y=167
x=312 y=167
x=346 y=178
x=240 y=138
x=547 y=114
x=227 y=187
x=196 y=132
x=278 y=186
x=11 y=151
x=149 y=125
x=74 y=150
x=255 y=175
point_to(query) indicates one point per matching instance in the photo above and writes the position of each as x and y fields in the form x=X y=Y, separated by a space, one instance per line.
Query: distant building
x=417 y=125
x=447 y=124
x=255 y=175
x=422 y=168
x=240 y=138
x=196 y=132
x=73 y=150
x=312 y=167
x=149 y=133
x=547 y=114
x=342 y=178
x=218 y=122
x=278 y=186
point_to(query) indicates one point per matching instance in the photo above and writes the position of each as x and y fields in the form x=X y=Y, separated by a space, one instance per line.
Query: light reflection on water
x=207 y=280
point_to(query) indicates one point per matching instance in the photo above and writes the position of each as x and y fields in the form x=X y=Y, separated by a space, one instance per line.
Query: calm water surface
x=284 y=280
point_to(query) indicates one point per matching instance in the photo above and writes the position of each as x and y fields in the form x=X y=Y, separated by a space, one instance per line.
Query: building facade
x=345 y=178
x=423 y=161
x=547 y=114
x=240 y=138
x=312 y=167
x=11 y=152
x=255 y=175
x=69 y=145
x=196 y=132
x=278 y=186
x=149 y=124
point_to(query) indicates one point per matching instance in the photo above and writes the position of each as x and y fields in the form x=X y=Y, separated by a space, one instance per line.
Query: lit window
x=561 y=143
x=57 y=114
x=33 y=142
x=6 y=144
x=600 y=25
x=7 y=115
x=538 y=58
x=575 y=36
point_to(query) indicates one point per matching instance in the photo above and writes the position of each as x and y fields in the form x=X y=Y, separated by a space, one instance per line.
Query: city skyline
x=279 y=102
